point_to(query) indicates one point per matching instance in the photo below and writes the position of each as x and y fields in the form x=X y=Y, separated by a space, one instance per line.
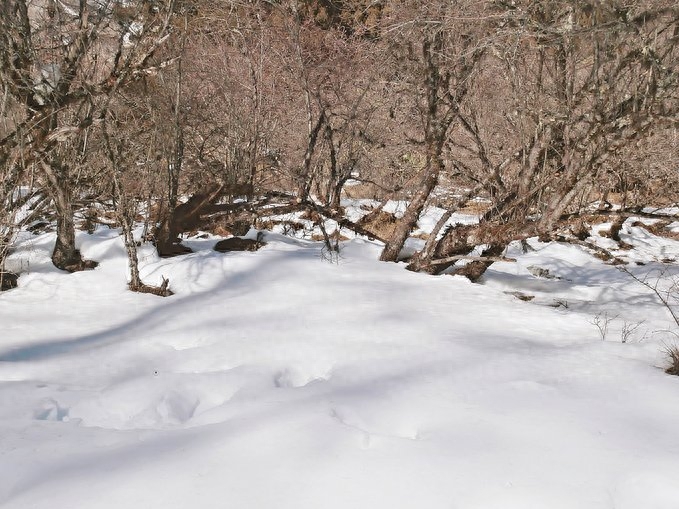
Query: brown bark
x=65 y=256
x=185 y=217
x=412 y=214
x=436 y=129
x=448 y=69
x=306 y=177
x=423 y=260
x=477 y=268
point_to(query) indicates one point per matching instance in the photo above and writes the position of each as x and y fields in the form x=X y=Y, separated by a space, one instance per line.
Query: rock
x=170 y=249
x=8 y=280
x=540 y=272
x=239 y=244
x=521 y=296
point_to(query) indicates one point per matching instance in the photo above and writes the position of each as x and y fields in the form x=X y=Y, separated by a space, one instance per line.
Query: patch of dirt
x=173 y=249
x=614 y=232
x=225 y=226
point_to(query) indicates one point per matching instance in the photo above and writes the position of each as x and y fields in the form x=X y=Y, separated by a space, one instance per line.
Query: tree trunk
x=131 y=248
x=559 y=203
x=422 y=260
x=125 y=215
x=166 y=234
x=306 y=179
x=412 y=214
x=336 y=194
x=65 y=255
x=440 y=114
x=477 y=268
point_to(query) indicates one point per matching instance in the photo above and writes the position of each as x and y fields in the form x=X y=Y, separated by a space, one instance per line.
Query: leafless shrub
x=628 y=330
x=667 y=294
x=602 y=321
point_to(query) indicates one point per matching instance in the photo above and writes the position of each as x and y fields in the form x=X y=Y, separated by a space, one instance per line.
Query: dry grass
x=475 y=207
x=672 y=353
x=362 y=191
x=659 y=229
x=334 y=236
x=270 y=224
x=311 y=215
x=379 y=223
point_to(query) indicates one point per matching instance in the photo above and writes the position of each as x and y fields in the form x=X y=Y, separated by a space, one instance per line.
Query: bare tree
x=58 y=60
x=585 y=82
x=442 y=68
x=121 y=129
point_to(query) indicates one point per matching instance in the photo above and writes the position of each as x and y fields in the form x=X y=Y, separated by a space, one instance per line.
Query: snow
x=280 y=379
x=355 y=209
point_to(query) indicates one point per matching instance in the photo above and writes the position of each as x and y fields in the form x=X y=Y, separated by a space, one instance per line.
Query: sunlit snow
x=279 y=379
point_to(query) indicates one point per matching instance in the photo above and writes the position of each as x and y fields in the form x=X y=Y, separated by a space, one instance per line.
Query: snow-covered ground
x=278 y=379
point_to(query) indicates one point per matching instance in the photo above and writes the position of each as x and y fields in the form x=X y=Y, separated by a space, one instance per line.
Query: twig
x=664 y=299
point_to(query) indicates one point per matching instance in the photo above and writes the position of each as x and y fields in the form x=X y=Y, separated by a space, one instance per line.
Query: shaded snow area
x=277 y=379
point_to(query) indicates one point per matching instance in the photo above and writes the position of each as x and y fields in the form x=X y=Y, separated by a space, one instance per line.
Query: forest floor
x=292 y=377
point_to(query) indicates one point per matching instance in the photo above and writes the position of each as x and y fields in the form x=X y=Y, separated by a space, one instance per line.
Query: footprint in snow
x=50 y=410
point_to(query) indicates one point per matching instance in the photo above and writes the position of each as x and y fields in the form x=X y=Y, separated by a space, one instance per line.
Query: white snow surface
x=279 y=379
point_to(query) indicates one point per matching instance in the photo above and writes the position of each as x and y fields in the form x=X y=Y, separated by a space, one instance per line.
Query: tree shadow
x=234 y=284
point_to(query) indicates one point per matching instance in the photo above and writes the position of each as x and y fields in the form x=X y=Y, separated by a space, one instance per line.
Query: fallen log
x=449 y=259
